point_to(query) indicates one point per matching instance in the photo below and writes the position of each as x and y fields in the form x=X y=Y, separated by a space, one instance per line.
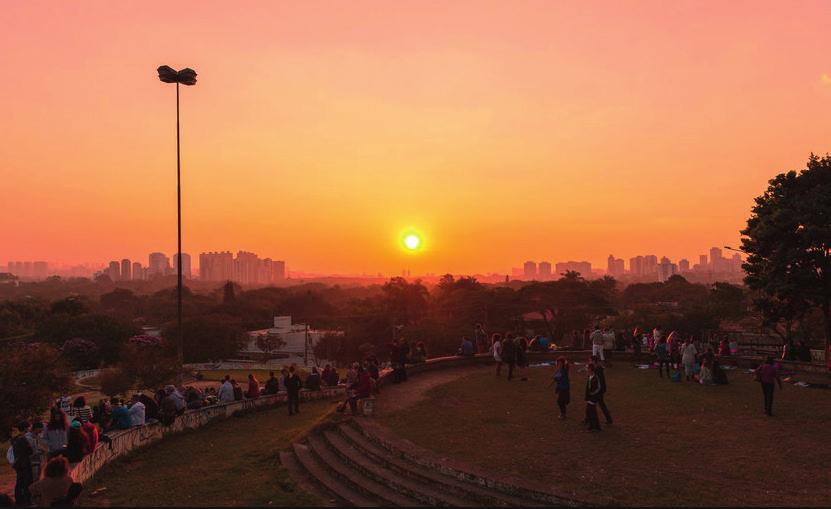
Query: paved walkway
x=396 y=397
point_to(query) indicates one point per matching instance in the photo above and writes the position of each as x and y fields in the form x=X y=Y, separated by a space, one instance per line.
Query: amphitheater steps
x=360 y=469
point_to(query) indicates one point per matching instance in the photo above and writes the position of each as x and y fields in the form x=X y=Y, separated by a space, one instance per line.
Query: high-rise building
x=636 y=266
x=544 y=270
x=650 y=264
x=278 y=270
x=114 y=271
x=583 y=268
x=716 y=260
x=702 y=260
x=137 y=272
x=216 y=266
x=684 y=265
x=529 y=270
x=665 y=269
x=185 y=265
x=614 y=266
x=126 y=270
x=246 y=268
x=40 y=270
x=158 y=265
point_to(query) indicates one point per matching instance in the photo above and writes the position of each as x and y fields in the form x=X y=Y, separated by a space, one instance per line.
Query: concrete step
x=531 y=493
x=303 y=480
x=333 y=484
x=424 y=492
x=467 y=490
x=347 y=473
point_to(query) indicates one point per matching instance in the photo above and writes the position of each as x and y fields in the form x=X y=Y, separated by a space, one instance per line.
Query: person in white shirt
x=688 y=357
x=137 y=412
x=226 y=391
x=597 y=340
x=496 y=350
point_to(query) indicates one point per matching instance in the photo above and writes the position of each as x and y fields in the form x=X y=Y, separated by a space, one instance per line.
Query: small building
x=297 y=340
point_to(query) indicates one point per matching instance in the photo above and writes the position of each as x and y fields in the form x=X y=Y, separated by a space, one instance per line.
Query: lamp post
x=734 y=249
x=187 y=77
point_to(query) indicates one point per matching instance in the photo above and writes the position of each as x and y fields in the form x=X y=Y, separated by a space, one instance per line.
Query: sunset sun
x=412 y=241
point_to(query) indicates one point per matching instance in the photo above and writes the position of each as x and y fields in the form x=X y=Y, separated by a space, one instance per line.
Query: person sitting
x=313 y=380
x=80 y=410
x=707 y=361
x=271 y=385
x=121 y=416
x=543 y=343
x=90 y=431
x=237 y=390
x=803 y=353
x=719 y=376
x=226 y=391
x=466 y=348
x=54 y=485
x=137 y=411
x=253 y=391
x=194 y=398
x=167 y=409
x=361 y=390
x=75 y=443
x=330 y=376
x=724 y=348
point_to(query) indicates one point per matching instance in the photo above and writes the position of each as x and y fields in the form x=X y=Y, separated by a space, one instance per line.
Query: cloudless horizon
x=319 y=132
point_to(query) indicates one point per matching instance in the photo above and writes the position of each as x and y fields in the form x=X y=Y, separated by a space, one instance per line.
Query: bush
x=146 y=360
x=31 y=376
x=114 y=381
x=81 y=353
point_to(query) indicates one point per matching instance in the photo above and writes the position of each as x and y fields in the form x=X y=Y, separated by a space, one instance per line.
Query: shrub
x=81 y=353
x=114 y=381
x=30 y=377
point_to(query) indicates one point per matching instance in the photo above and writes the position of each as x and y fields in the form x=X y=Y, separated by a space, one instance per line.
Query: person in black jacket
x=592 y=397
x=601 y=377
x=293 y=385
x=22 y=450
x=509 y=354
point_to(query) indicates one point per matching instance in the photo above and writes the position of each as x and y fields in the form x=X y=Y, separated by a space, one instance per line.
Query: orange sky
x=319 y=131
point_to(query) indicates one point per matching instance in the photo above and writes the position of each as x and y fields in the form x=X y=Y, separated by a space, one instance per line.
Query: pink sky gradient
x=318 y=131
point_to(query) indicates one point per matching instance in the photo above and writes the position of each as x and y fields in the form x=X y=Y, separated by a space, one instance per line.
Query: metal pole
x=179 y=345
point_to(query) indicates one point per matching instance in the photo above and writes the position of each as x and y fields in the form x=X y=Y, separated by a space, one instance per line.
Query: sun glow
x=412 y=241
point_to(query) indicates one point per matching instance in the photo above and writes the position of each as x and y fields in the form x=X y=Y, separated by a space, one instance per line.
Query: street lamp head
x=186 y=76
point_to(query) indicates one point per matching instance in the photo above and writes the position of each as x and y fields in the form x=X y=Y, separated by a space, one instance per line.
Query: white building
x=294 y=335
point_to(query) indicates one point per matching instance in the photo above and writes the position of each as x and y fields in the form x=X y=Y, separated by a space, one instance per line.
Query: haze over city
x=321 y=131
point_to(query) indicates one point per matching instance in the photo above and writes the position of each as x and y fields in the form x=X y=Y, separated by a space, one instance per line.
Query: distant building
x=298 y=339
x=666 y=269
x=684 y=265
x=636 y=266
x=278 y=270
x=158 y=265
x=216 y=266
x=529 y=270
x=40 y=270
x=185 y=265
x=544 y=271
x=126 y=270
x=138 y=272
x=702 y=260
x=614 y=266
x=114 y=271
x=584 y=268
x=650 y=264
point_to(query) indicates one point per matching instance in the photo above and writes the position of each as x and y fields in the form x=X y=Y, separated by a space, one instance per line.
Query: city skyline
x=537 y=128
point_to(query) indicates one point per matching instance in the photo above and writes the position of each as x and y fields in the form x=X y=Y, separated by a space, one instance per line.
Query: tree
x=788 y=242
x=209 y=337
x=114 y=381
x=147 y=360
x=31 y=376
x=269 y=342
x=81 y=353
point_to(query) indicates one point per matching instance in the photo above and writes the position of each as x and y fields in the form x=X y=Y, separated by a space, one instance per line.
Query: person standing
x=673 y=349
x=509 y=354
x=562 y=387
x=521 y=347
x=592 y=395
x=56 y=431
x=395 y=360
x=496 y=349
x=293 y=385
x=481 y=338
x=662 y=356
x=767 y=374
x=596 y=339
x=688 y=356
x=55 y=483
x=636 y=344
x=22 y=451
x=600 y=373
x=405 y=358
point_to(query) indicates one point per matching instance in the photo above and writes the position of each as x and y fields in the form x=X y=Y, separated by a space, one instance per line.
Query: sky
x=319 y=132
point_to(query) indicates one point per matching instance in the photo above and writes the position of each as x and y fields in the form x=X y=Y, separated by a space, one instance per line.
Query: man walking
x=509 y=354
x=293 y=385
x=600 y=373
x=767 y=374
x=592 y=395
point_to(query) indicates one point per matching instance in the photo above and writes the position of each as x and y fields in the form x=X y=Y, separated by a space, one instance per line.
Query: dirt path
x=396 y=397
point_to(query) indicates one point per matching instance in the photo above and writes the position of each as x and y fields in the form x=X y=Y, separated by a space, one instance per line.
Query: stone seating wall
x=125 y=441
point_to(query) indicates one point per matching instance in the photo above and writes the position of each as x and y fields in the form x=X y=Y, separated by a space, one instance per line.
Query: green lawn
x=233 y=462
x=671 y=444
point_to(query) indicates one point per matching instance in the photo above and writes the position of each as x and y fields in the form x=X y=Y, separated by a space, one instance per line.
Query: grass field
x=233 y=462
x=671 y=444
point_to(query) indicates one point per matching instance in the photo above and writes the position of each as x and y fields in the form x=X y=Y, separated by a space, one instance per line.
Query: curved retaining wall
x=128 y=440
